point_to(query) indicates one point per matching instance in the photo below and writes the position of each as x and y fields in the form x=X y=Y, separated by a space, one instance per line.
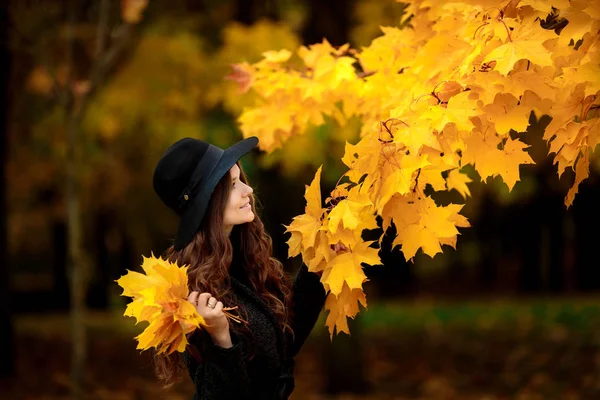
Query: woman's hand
x=212 y=311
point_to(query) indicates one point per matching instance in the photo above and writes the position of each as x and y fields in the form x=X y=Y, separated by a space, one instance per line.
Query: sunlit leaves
x=160 y=298
x=342 y=306
x=458 y=88
x=525 y=42
x=457 y=180
x=428 y=227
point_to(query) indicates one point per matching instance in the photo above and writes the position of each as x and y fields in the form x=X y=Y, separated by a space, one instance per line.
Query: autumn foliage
x=459 y=86
x=160 y=298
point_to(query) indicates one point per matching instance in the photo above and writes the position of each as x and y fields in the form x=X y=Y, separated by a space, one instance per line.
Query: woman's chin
x=248 y=217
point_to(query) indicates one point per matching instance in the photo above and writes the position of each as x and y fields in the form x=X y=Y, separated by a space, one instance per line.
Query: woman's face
x=238 y=210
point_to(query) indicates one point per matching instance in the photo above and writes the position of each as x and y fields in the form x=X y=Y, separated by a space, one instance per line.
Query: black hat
x=186 y=176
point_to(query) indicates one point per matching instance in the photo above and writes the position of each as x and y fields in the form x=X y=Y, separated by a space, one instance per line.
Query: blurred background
x=511 y=314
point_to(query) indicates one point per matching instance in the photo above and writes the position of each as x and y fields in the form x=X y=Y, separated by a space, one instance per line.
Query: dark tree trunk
x=59 y=265
x=98 y=291
x=7 y=352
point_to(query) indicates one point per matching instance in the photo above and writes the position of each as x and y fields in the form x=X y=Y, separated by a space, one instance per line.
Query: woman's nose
x=249 y=190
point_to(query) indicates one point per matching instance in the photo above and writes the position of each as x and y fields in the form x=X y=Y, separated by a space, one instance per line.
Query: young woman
x=229 y=255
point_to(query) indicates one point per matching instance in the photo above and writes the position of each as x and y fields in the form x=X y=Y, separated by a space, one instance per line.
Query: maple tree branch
x=104 y=64
x=417 y=180
x=507 y=30
x=102 y=29
x=333 y=201
x=365 y=74
x=393 y=157
x=423 y=95
x=478 y=28
x=438 y=84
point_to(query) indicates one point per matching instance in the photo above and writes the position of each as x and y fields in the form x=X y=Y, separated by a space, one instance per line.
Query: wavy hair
x=209 y=257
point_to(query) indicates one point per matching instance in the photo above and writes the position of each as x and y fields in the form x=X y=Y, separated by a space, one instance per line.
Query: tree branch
x=105 y=62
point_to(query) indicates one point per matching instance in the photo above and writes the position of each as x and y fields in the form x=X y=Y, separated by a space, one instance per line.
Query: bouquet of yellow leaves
x=160 y=298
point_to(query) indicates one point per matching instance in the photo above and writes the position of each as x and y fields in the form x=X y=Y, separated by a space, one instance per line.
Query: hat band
x=204 y=169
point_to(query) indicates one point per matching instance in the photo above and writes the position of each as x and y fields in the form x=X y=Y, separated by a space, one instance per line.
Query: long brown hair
x=209 y=257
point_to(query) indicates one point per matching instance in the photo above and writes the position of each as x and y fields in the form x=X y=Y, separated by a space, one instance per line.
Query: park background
x=510 y=314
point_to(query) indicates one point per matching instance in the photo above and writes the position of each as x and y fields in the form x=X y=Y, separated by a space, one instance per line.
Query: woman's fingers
x=209 y=307
x=193 y=297
x=212 y=302
x=203 y=299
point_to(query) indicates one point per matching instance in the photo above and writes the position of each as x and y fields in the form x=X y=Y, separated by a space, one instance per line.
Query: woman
x=229 y=255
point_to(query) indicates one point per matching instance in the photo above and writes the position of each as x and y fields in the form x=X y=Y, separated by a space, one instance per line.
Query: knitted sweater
x=228 y=374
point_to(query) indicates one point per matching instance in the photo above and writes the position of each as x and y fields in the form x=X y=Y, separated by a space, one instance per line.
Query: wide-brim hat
x=186 y=176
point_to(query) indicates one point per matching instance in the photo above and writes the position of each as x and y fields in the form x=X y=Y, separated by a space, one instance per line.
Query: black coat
x=227 y=374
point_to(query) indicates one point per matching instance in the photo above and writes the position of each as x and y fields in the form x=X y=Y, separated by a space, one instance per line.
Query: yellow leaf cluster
x=329 y=241
x=160 y=298
x=459 y=87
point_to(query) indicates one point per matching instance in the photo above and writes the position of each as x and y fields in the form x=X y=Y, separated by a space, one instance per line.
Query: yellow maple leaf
x=432 y=173
x=459 y=220
x=459 y=109
x=506 y=114
x=579 y=24
x=526 y=42
x=402 y=210
x=322 y=253
x=414 y=131
x=544 y=6
x=363 y=157
x=399 y=177
x=160 y=298
x=593 y=9
x=343 y=306
x=486 y=85
x=569 y=142
x=347 y=237
x=565 y=135
x=307 y=225
x=482 y=151
x=434 y=223
x=514 y=155
x=347 y=214
x=569 y=103
x=451 y=140
x=458 y=181
x=346 y=267
x=588 y=73
x=522 y=81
